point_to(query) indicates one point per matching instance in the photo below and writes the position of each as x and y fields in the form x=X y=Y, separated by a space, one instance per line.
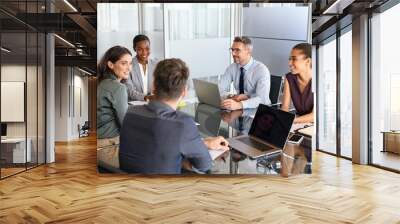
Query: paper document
x=298 y=126
x=137 y=103
x=216 y=153
x=307 y=131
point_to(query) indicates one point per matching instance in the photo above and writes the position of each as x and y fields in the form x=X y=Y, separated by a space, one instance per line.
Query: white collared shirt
x=144 y=78
x=257 y=82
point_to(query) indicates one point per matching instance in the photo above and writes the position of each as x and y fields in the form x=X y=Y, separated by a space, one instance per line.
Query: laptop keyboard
x=255 y=144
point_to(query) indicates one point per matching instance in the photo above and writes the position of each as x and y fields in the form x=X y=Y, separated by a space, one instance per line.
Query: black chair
x=84 y=130
x=275 y=90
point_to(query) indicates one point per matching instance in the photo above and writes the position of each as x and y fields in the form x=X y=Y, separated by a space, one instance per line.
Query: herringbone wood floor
x=71 y=191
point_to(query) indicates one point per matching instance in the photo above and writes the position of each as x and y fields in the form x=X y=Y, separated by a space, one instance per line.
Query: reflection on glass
x=153 y=21
x=346 y=94
x=203 y=29
x=385 y=86
x=14 y=148
x=327 y=97
x=117 y=24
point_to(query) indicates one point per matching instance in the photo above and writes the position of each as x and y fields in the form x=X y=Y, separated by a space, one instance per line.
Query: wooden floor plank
x=71 y=191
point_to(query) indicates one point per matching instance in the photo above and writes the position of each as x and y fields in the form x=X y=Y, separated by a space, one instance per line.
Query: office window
x=346 y=93
x=385 y=88
x=327 y=96
x=199 y=34
x=153 y=25
x=117 y=24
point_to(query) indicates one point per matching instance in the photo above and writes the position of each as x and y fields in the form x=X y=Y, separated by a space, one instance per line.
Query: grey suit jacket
x=134 y=84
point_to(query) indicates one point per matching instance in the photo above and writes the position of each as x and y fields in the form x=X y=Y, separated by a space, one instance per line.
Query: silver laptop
x=207 y=92
x=268 y=133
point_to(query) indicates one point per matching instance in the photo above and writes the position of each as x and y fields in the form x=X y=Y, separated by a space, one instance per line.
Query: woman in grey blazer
x=112 y=103
x=139 y=83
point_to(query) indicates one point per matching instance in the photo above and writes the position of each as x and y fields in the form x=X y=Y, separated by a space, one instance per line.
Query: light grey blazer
x=134 y=83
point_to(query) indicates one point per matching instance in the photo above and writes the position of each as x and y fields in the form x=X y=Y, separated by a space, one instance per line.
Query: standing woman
x=112 y=103
x=297 y=87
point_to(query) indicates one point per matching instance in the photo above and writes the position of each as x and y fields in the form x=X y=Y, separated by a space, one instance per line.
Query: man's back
x=155 y=138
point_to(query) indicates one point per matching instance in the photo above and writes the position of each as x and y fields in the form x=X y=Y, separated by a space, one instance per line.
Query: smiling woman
x=297 y=87
x=112 y=101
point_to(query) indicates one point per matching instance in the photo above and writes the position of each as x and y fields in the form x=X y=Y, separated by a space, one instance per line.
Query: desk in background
x=391 y=141
x=13 y=150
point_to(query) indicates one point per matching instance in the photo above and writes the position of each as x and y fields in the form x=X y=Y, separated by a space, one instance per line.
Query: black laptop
x=268 y=133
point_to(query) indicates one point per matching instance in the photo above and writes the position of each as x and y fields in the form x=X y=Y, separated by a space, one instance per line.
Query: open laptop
x=207 y=92
x=268 y=133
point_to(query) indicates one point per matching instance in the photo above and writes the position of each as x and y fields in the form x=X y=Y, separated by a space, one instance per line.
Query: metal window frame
x=334 y=37
x=381 y=9
x=44 y=73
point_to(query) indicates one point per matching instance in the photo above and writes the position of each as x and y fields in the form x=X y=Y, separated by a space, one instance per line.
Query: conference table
x=294 y=159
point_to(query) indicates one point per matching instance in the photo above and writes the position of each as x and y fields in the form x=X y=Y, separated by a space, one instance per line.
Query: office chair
x=275 y=90
x=84 y=129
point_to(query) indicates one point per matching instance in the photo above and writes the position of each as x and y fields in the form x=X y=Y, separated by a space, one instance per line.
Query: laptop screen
x=271 y=125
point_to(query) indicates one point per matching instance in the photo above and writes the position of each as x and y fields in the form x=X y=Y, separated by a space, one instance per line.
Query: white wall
x=69 y=82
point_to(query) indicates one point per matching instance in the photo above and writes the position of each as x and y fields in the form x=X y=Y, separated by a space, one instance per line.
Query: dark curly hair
x=139 y=38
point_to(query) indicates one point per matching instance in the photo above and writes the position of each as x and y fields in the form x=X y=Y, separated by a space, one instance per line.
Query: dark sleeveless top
x=303 y=102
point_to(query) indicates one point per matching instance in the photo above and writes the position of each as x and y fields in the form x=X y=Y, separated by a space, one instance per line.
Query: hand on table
x=240 y=97
x=216 y=143
x=231 y=104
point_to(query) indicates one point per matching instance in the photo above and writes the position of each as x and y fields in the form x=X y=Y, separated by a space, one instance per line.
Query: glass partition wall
x=22 y=77
x=327 y=95
x=385 y=89
x=334 y=89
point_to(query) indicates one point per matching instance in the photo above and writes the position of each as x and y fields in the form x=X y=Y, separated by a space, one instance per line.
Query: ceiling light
x=64 y=40
x=5 y=50
x=337 y=7
x=86 y=72
x=70 y=5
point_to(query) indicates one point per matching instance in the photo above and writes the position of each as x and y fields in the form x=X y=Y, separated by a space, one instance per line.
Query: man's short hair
x=245 y=40
x=139 y=38
x=170 y=78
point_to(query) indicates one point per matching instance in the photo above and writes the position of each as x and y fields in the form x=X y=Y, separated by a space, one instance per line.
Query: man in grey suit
x=250 y=78
x=140 y=81
x=139 y=133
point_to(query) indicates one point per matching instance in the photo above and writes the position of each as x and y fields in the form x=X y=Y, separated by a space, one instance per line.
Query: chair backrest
x=150 y=145
x=86 y=125
x=276 y=88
